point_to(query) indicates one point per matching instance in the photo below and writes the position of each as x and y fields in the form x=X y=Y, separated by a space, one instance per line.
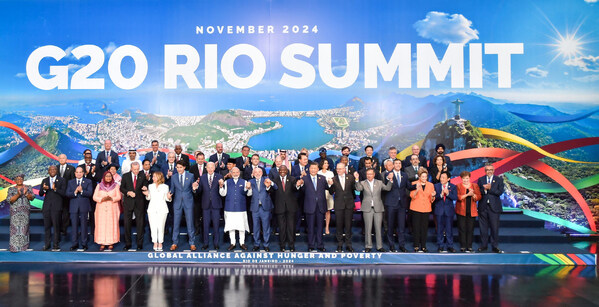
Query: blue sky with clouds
x=541 y=75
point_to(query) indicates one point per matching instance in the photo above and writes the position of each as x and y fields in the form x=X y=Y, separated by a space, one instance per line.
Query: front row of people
x=388 y=198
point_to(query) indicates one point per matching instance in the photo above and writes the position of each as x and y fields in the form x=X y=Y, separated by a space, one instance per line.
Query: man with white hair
x=235 y=190
x=67 y=172
x=107 y=158
x=261 y=207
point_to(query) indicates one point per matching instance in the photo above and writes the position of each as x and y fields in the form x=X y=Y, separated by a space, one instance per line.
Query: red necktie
x=444 y=194
x=134 y=182
x=283 y=183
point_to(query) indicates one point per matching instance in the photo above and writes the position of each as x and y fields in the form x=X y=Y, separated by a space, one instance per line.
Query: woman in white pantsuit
x=158 y=194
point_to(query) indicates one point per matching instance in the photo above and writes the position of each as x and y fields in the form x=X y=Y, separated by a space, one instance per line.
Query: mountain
x=355 y=103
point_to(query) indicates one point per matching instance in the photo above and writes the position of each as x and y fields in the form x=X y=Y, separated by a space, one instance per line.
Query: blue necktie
x=314 y=182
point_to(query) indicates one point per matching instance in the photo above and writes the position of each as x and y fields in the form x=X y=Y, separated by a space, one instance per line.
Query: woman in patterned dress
x=107 y=197
x=19 y=197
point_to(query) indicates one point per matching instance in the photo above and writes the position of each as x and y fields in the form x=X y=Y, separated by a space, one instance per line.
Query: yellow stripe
x=504 y=136
x=565 y=259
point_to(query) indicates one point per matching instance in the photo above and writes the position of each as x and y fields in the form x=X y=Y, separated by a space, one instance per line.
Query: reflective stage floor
x=296 y=285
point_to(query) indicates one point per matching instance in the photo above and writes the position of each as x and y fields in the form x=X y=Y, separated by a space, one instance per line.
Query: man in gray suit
x=372 y=207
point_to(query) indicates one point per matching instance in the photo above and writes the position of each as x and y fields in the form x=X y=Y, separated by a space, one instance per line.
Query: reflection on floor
x=242 y=285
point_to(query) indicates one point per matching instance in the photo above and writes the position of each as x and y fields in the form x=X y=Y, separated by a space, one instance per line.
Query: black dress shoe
x=424 y=250
x=205 y=246
x=310 y=249
x=339 y=249
x=469 y=250
x=349 y=249
x=497 y=250
x=216 y=247
x=439 y=250
x=381 y=250
x=231 y=247
x=256 y=248
x=292 y=249
x=451 y=250
x=403 y=249
x=126 y=248
x=463 y=250
x=282 y=248
x=84 y=247
x=244 y=247
x=74 y=247
x=482 y=250
x=266 y=249
x=139 y=248
x=322 y=250
x=392 y=249
x=367 y=250
x=47 y=247
x=416 y=249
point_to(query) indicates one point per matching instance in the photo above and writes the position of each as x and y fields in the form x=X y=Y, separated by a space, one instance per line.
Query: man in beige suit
x=372 y=207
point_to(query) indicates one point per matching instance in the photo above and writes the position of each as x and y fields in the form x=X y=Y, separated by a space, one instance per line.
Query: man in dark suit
x=286 y=207
x=299 y=170
x=132 y=184
x=106 y=158
x=219 y=158
x=396 y=204
x=440 y=150
x=490 y=208
x=169 y=168
x=261 y=207
x=369 y=154
x=197 y=170
x=248 y=173
x=226 y=173
x=368 y=164
x=53 y=189
x=91 y=172
x=412 y=170
x=67 y=172
x=315 y=205
x=421 y=159
x=349 y=168
x=244 y=161
x=343 y=187
x=147 y=171
x=179 y=155
x=80 y=191
x=274 y=170
x=211 y=203
x=183 y=186
x=446 y=193
x=157 y=158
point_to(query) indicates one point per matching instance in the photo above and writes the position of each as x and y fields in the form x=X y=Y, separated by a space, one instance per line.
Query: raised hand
x=330 y=181
x=221 y=183
x=300 y=182
x=267 y=182
x=390 y=176
x=45 y=187
x=144 y=188
x=154 y=160
x=109 y=159
x=356 y=175
x=169 y=174
x=248 y=185
x=195 y=185
x=303 y=173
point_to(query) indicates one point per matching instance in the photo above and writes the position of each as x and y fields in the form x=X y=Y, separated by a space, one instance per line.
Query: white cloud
x=73 y=67
x=110 y=48
x=339 y=69
x=69 y=50
x=591 y=1
x=21 y=75
x=584 y=63
x=536 y=72
x=444 y=28
x=587 y=79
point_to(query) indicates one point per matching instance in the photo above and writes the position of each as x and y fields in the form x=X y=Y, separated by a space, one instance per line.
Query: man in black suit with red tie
x=132 y=185
x=285 y=199
x=53 y=189
x=490 y=208
x=343 y=186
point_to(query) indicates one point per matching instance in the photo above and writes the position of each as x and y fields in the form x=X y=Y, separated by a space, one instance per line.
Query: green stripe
x=556 y=220
x=546 y=259
x=552 y=187
x=555 y=258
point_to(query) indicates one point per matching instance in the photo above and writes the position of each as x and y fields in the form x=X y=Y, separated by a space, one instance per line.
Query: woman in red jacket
x=465 y=209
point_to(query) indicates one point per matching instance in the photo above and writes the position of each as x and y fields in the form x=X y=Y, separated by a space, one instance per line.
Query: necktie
x=258 y=184
x=181 y=178
x=62 y=170
x=283 y=183
x=200 y=168
x=210 y=181
x=445 y=187
x=314 y=182
x=178 y=157
x=134 y=181
x=107 y=155
x=488 y=180
x=170 y=167
x=342 y=181
x=51 y=183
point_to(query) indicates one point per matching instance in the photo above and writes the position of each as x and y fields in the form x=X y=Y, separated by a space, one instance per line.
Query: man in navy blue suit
x=211 y=203
x=299 y=170
x=80 y=191
x=156 y=158
x=446 y=194
x=261 y=207
x=243 y=161
x=182 y=186
x=396 y=203
x=248 y=173
x=219 y=158
x=490 y=208
x=315 y=205
x=107 y=158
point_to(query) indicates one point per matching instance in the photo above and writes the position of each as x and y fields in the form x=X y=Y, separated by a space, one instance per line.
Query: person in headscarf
x=19 y=197
x=107 y=197
x=132 y=156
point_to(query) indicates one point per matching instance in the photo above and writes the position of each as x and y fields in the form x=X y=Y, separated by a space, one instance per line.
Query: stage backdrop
x=509 y=82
